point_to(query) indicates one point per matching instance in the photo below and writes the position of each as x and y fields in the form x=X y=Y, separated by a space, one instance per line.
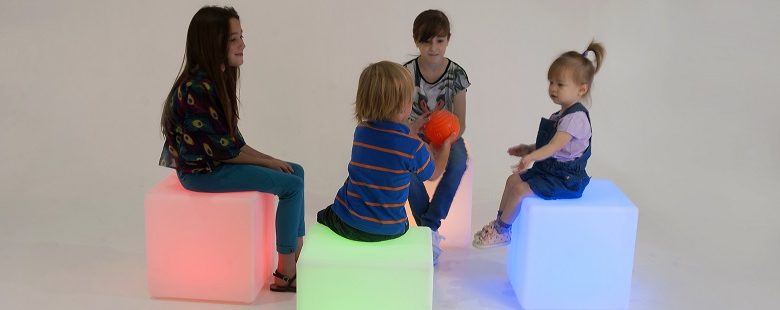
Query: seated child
x=561 y=151
x=386 y=154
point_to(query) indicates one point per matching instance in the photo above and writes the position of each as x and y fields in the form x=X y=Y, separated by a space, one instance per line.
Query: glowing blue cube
x=574 y=253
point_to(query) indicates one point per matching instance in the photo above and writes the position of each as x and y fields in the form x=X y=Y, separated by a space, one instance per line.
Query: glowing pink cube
x=208 y=246
x=456 y=227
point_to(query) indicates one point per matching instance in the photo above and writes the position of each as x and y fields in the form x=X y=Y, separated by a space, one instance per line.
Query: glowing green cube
x=337 y=273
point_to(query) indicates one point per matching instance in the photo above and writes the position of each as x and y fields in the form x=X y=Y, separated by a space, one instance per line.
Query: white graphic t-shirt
x=439 y=94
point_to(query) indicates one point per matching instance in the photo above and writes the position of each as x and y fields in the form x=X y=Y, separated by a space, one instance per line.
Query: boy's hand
x=419 y=123
x=520 y=150
x=449 y=141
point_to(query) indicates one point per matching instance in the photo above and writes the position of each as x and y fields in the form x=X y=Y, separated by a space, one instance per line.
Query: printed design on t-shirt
x=422 y=104
x=439 y=95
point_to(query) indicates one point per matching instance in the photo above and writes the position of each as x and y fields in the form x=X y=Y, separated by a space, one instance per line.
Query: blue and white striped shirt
x=384 y=159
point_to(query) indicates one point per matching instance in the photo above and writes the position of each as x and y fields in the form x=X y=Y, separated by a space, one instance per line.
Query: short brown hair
x=429 y=24
x=383 y=89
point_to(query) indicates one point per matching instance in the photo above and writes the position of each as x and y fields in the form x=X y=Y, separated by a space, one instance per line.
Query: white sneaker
x=436 y=239
x=489 y=237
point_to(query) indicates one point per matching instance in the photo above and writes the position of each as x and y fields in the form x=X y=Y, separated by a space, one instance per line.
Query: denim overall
x=552 y=179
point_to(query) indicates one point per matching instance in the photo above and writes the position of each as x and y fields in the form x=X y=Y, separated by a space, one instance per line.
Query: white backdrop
x=685 y=117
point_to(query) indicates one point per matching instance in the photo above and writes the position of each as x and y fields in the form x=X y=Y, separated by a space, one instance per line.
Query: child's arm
x=251 y=151
x=459 y=109
x=441 y=156
x=558 y=141
x=254 y=152
x=246 y=156
x=521 y=150
x=419 y=123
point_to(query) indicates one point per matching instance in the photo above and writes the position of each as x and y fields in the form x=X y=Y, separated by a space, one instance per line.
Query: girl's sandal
x=283 y=288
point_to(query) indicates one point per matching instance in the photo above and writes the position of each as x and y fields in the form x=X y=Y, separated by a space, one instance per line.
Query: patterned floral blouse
x=198 y=138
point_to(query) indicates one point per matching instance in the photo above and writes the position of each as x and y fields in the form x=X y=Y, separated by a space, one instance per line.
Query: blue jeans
x=242 y=178
x=429 y=213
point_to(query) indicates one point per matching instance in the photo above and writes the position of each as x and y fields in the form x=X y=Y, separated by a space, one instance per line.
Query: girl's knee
x=297 y=169
x=516 y=183
x=523 y=187
x=457 y=165
x=458 y=155
x=296 y=184
x=289 y=186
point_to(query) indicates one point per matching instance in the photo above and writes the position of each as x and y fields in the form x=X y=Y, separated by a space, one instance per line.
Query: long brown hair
x=206 y=48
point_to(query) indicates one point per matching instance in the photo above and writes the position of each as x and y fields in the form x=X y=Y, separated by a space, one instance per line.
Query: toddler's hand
x=520 y=150
x=522 y=165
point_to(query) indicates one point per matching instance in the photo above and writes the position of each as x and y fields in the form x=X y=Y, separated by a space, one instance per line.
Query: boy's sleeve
x=205 y=130
x=423 y=162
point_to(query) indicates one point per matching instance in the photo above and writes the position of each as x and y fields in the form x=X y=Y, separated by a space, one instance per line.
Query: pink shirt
x=577 y=125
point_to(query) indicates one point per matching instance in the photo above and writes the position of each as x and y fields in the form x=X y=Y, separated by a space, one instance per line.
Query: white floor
x=47 y=276
x=106 y=270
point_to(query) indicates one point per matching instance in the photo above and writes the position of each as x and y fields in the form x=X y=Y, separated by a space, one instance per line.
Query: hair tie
x=585 y=54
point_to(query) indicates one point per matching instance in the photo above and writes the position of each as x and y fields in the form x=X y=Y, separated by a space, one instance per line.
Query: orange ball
x=441 y=124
